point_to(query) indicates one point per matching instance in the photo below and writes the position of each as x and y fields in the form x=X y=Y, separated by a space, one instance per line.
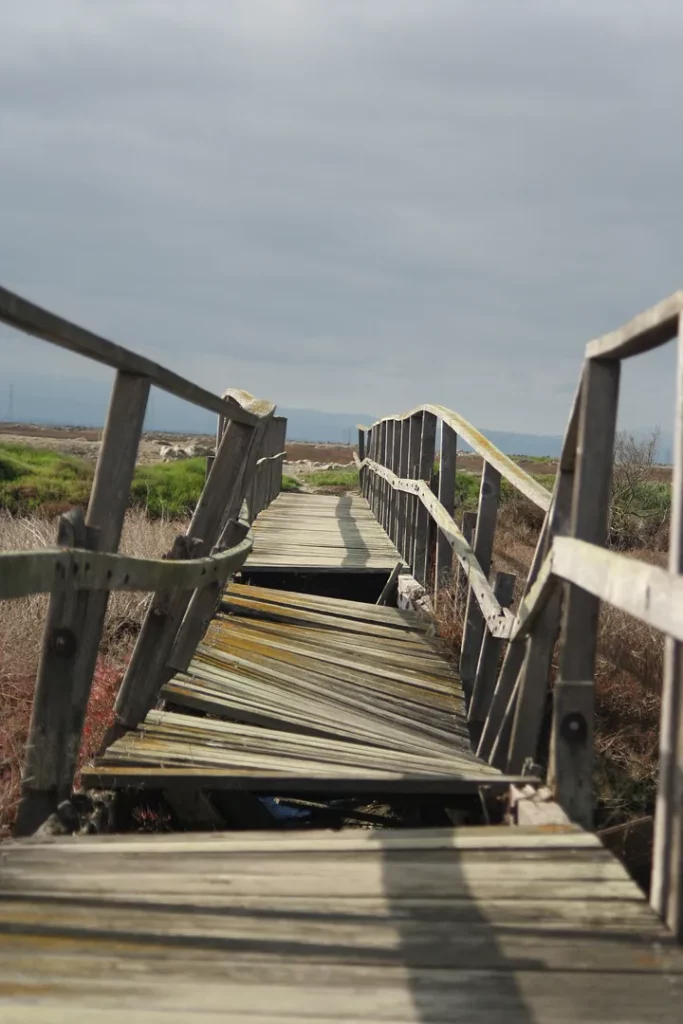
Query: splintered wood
x=306 y=694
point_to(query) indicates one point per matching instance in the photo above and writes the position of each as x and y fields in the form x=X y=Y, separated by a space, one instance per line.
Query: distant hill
x=42 y=399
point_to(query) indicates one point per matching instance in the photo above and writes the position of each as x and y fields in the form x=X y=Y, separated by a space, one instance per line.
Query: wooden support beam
x=495 y=735
x=50 y=728
x=590 y=510
x=487 y=513
x=148 y=669
x=391 y=586
x=402 y=498
x=414 y=434
x=469 y=528
x=80 y=617
x=571 y=746
x=667 y=869
x=193 y=809
x=495 y=738
x=395 y=468
x=426 y=465
x=489 y=658
x=443 y=574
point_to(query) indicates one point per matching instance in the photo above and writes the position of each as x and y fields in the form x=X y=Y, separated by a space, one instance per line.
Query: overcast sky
x=348 y=204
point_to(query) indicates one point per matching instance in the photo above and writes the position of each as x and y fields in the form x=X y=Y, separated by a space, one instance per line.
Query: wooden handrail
x=499 y=620
x=644 y=332
x=23 y=573
x=32 y=319
x=509 y=469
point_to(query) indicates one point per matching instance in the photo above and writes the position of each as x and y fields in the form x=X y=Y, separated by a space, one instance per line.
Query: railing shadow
x=431 y=956
x=356 y=552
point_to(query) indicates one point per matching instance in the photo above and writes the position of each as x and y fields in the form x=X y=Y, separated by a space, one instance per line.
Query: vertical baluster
x=489 y=494
x=148 y=670
x=443 y=575
x=401 y=496
x=427 y=451
x=667 y=870
x=571 y=758
x=74 y=630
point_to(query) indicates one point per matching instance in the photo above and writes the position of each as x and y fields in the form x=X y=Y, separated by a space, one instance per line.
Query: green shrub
x=33 y=478
x=169 y=489
x=290 y=483
x=333 y=477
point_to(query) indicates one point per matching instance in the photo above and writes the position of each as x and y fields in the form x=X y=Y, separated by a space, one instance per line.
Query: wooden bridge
x=252 y=690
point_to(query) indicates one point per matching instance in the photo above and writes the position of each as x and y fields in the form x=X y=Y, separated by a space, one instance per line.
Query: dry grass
x=21 y=631
x=627 y=678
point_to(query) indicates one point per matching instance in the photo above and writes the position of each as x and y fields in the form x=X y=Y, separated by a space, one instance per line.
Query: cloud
x=348 y=205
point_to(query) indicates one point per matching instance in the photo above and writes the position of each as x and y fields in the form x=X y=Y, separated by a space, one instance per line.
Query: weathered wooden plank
x=50 y=728
x=499 y=620
x=469 y=528
x=495 y=738
x=390 y=587
x=509 y=469
x=147 y=669
x=590 y=510
x=395 y=468
x=405 y=620
x=487 y=513
x=446 y=494
x=426 y=465
x=667 y=867
x=58 y=750
x=491 y=649
x=39 y=572
x=644 y=332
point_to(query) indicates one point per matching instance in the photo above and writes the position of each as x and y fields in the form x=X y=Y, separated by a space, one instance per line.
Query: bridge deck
x=322 y=533
x=310 y=694
x=468 y=925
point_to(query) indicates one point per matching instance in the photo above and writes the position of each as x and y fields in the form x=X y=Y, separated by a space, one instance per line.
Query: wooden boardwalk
x=306 y=694
x=290 y=695
x=456 y=926
x=322 y=533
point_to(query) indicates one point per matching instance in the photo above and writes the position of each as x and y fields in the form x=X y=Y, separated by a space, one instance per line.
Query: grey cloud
x=453 y=197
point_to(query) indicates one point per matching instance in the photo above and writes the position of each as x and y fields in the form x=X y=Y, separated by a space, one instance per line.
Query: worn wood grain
x=508 y=469
x=590 y=510
x=489 y=658
x=487 y=513
x=644 y=332
x=147 y=669
x=667 y=869
x=446 y=493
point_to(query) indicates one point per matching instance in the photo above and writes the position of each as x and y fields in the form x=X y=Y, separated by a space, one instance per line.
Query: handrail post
x=362 y=472
x=491 y=647
x=52 y=753
x=396 y=470
x=414 y=430
x=447 y=467
x=489 y=495
x=401 y=497
x=571 y=758
x=426 y=466
x=148 y=667
x=667 y=868
x=388 y=490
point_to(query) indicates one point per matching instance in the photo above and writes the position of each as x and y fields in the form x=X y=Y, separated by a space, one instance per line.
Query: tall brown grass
x=21 y=631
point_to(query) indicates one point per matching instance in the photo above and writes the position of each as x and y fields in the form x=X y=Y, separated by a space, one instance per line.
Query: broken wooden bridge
x=270 y=692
